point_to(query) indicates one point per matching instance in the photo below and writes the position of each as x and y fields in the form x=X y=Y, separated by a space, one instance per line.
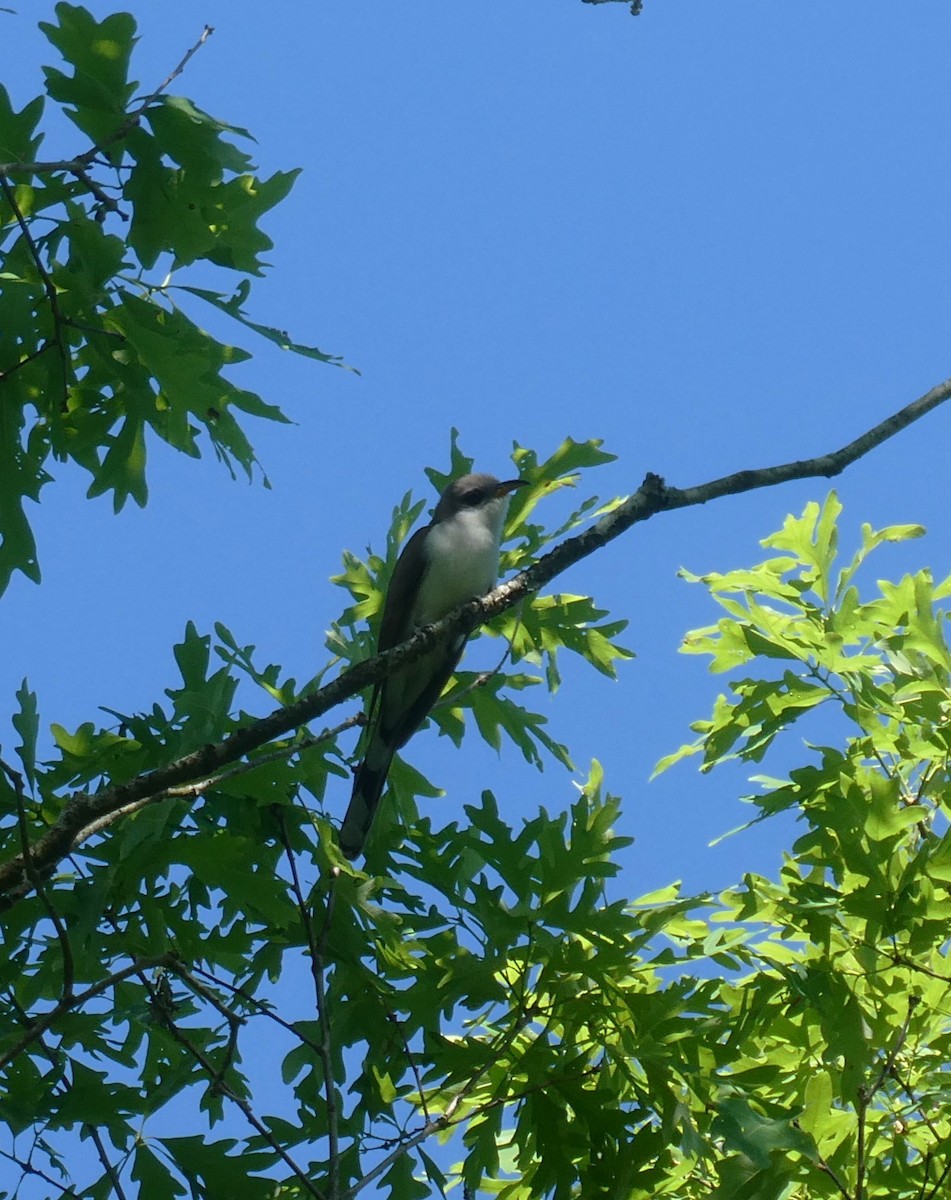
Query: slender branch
x=47 y=345
x=411 y=1059
x=445 y=1119
x=77 y=999
x=936 y=1191
x=71 y=166
x=136 y=115
x=234 y=1021
x=106 y=1164
x=66 y=950
x=651 y=498
x=326 y=1050
x=637 y=6
x=248 y=1112
x=260 y=1006
x=190 y=791
x=889 y=1064
x=79 y=165
x=99 y=193
x=867 y=1094
x=49 y=287
x=28 y=1169
x=826 y=1169
x=317 y=948
x=860 y=1144
x=917 y=1105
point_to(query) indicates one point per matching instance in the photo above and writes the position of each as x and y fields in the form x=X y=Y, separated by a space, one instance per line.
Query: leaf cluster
x=97 y=354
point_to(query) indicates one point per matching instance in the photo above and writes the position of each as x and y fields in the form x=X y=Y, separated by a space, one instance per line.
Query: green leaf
x=156 y=1179
x=21 y=477
x=98 y=89
x=187 y=363
x=756 y=1136
x=220 y=1171
x=27 y=724
x=813 y=539
x=19 y=141
x=193 y=139
x=123 y=468
x=278 y=336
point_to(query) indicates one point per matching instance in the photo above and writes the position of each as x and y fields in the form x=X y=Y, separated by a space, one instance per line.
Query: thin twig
x=134 y=117
x=317 y=947
x=66 y=950
x=827 y=1170
x=249 y=1115
x=49 y=287
x=190 y=791
x=652 y=498
x=936 y=1191
x=47 y=345
x=411 y=1059
x=861 y=1146
x=889 y=1064
x=444 y=1119
x=232 y=1018
x=102 y=198
x=82 y=161
x=867 y=1094
x=261 y=1007
x=28 y=1169
x=77 y=999
x=917 y=1105
x=106 y=1164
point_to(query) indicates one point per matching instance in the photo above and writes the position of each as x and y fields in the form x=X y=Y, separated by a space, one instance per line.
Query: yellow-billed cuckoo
x=453 y=559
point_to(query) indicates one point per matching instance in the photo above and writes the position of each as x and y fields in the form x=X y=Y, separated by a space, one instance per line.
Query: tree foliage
x=206 y=999
x=97 y=349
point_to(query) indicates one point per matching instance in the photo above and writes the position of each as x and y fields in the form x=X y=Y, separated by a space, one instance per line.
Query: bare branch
x=651 y=498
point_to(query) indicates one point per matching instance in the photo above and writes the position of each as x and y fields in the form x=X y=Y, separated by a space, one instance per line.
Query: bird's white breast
x=463 y=560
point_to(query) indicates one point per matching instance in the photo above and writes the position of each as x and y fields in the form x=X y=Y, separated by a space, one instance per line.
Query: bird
x=453 y=559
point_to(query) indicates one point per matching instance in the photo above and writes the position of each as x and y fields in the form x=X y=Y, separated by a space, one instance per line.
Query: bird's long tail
x=367 y=789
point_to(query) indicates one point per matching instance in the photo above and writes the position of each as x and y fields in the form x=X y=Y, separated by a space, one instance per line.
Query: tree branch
x=317 y=951
x=110 y=1170
x=52 y=297
x=66 y=951
x=218 y=1081
x=79 y=165
x=136 y=115
x=78 y=999
x=189 y=791
x=650 y=499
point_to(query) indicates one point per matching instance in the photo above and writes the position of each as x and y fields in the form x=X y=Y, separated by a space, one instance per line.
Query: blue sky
x=714 y=236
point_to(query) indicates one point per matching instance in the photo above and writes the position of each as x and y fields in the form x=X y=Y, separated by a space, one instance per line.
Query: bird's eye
x=471 y=499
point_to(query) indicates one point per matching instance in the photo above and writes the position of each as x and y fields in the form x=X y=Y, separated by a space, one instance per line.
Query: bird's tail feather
x=368 y=787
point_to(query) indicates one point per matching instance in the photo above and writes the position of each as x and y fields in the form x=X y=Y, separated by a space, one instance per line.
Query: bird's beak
x=509 y=486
